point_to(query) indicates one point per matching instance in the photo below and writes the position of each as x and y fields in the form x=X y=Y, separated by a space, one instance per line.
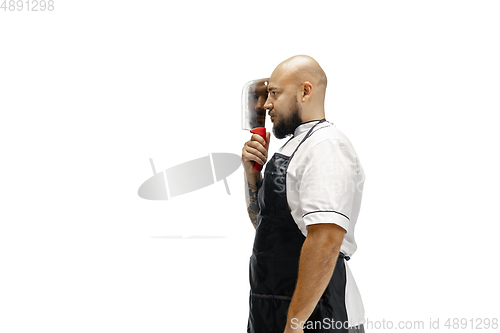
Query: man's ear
x=306 y=90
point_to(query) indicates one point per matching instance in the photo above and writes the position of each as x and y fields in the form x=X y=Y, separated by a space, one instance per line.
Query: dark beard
x=287 y=126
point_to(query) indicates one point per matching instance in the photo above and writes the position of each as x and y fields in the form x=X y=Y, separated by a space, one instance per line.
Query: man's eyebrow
x=269 y=88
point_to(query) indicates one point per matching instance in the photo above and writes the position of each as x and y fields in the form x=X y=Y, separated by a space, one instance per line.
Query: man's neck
x=312 y=115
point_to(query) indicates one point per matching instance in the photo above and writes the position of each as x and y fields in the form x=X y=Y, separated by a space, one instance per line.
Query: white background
x=90 y=91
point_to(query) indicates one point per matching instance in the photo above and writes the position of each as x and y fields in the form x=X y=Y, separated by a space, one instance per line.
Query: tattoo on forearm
x=252 y=202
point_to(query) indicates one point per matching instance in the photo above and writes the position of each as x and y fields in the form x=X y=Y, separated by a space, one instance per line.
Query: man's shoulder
x=325 y=134
x=322 y=135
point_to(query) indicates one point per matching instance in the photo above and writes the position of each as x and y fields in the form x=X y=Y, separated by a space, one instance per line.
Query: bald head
x=299 y=69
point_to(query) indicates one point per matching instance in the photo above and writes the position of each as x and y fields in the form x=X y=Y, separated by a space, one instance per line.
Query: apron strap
x=307 y=135
x=344 y=256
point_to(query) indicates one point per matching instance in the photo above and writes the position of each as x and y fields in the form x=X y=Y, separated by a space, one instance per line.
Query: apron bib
x=274 y=263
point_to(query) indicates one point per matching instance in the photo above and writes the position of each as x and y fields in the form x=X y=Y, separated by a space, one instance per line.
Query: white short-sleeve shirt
x=324 y=184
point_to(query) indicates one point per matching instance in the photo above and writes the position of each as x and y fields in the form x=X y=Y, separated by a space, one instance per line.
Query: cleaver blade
x=253 y=113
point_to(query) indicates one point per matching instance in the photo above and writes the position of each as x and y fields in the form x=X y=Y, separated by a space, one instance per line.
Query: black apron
x=274 y=263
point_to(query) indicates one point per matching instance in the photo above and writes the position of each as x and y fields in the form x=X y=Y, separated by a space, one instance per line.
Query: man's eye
x=274 y=93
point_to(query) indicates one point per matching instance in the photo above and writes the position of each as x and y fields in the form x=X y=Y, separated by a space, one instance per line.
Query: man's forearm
x=252 y=185
x=316 y=266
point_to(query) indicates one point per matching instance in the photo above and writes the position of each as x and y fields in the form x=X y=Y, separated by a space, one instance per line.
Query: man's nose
x=268 y=105
x=261 y=101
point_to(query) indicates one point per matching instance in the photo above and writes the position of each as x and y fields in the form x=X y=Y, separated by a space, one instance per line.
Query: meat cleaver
x=253 y=113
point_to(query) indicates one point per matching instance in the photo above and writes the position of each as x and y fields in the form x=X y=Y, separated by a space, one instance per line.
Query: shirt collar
x=304 y=127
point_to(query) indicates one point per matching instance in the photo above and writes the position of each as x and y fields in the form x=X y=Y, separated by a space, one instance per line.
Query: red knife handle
x=262 y=132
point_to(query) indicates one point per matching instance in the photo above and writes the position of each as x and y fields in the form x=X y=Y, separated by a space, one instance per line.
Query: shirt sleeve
x=328 y=177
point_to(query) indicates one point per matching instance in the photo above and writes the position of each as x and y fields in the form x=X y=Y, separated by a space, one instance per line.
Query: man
x=304 y=210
